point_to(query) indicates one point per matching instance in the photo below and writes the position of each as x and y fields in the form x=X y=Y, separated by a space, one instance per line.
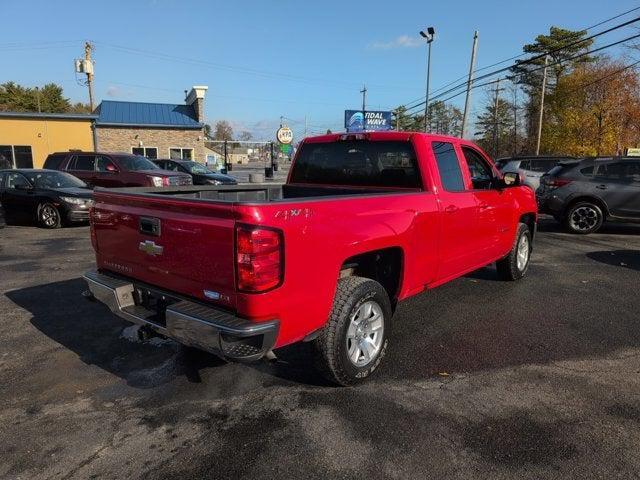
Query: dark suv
x=114 y=170
x=584 y=193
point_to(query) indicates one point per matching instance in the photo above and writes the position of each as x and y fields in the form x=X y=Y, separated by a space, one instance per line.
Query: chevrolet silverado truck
x=363 y=222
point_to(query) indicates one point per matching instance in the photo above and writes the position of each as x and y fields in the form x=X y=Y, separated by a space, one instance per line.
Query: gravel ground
x=484 y=379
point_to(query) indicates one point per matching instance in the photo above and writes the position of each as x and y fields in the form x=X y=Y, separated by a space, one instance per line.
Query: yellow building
x=27 y=138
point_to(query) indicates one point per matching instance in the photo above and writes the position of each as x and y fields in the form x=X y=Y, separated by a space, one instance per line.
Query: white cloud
x=114 y=91
x=403 y=41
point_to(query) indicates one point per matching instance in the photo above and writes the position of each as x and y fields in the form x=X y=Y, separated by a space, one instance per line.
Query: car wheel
x=49 y=216
x=515 y=265
x=354 y=341
x=583 y=218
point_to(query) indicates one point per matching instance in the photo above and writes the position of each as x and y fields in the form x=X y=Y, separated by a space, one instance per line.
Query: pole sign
x=370 y=120
x=284 y=135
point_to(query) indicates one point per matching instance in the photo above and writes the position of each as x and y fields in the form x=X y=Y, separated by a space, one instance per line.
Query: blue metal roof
x=146 y=114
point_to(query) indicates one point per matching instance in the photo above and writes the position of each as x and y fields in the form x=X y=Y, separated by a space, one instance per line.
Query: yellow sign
x=633 y=152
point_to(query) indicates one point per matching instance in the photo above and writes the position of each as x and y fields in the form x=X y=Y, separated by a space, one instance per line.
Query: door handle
x=601 y=187
x=451 y=209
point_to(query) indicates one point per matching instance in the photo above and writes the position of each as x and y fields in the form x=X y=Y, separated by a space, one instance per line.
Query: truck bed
x=249 y=194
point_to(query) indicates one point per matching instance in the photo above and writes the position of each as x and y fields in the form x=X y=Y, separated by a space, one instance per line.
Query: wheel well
x=597 y=201
x=383 y=266
x=529 y=219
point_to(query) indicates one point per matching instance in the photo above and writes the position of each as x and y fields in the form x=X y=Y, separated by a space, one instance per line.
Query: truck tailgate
x=181 y=246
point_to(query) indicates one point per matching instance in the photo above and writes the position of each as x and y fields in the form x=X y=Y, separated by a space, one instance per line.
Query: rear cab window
x=358 y=163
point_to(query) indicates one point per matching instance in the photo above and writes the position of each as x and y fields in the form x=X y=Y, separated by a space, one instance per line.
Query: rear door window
x=358 y=163
x=542 y=165
x=624 y=171
x=82 y=163
x=448 y=166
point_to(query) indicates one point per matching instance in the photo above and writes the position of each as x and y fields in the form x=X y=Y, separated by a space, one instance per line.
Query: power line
x=537 y=57
x=437 y=97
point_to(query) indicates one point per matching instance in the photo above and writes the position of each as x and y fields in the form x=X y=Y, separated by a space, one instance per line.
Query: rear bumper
x=190 y=323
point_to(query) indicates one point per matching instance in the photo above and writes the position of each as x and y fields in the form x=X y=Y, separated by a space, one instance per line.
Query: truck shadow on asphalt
x=96 y=335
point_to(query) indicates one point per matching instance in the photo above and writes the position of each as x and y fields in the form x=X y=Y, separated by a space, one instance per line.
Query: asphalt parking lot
x=484 y=379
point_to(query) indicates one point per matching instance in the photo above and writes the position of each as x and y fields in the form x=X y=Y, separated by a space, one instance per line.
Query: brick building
x=155 y=130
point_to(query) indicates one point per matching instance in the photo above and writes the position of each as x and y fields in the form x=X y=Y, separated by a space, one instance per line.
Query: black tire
x=332 y=355
x=583 y=218
x=508 y=268
x=49 y=216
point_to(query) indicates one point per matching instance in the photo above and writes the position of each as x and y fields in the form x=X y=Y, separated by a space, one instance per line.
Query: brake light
x=259 y=258
x=165 y=181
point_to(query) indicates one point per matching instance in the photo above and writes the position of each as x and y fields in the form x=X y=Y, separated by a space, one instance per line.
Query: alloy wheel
x=583 y=218
x=49 y=216
x=365 y=334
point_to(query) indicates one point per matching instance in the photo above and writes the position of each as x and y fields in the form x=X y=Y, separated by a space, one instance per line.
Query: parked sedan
x=583 y=194
x=49 y=197
x=200 y=174
x=531 y=168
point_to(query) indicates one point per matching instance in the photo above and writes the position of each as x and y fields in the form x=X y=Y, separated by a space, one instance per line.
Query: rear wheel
x=584 y=218
x=354 y=341
x=49 y=216
x=515 y=265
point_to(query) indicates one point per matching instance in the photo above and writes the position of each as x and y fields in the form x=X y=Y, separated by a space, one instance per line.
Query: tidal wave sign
x=370 y=120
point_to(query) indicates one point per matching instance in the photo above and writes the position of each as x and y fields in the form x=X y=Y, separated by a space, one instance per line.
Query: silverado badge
x=150 y=248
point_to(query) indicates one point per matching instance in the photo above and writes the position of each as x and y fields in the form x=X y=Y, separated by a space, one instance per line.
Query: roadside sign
x=284 y=135
x=286 y=148
x=374 y=120
x=633 y=152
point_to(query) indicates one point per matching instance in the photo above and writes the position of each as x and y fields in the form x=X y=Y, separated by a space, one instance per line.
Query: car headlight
x=157 y=181
x=77 y=201
x=214 y=182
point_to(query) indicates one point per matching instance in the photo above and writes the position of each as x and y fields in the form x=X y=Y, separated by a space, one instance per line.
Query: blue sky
x=263 y=59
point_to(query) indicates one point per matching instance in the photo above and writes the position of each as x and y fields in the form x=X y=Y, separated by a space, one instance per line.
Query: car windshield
x=195 y=167
x=134 y=163
x=54 y=180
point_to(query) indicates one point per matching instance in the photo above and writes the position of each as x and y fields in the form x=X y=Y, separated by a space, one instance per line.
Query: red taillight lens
x=165 y=181
x=557 y=182
x=258 y=258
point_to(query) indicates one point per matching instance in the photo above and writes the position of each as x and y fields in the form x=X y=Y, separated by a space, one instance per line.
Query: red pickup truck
x=364 y=221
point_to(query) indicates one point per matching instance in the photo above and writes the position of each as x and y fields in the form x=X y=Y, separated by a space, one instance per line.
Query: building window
x=19 y=156
x=181 y=153
x=149 y=152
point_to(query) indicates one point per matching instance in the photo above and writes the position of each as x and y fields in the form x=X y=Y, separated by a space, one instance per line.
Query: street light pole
x=429 y=36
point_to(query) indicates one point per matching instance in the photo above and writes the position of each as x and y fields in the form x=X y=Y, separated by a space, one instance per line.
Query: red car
x=113 y=170
x=363 y=222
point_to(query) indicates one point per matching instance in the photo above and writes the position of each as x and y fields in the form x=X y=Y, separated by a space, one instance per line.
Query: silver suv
x=531 y=168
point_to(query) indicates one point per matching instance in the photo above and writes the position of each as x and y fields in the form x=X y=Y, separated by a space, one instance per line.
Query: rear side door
x=618 y=184
x=83 y=166
x=458 y=209
x=494 y=216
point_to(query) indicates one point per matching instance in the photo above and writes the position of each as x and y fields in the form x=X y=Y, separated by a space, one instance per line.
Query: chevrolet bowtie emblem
x=150 y=248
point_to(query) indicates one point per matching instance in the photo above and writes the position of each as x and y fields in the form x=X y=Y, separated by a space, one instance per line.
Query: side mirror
x=511 y=179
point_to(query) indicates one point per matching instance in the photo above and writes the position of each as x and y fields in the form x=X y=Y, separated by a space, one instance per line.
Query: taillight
x=259 y=258
x=557 y=182
x=165 y=181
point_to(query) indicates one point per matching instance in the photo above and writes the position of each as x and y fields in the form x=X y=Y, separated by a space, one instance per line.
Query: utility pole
x=515 y=117
x=544 y=87
x=398 y=113
x=467 y=100
x=38 y=99
x=496 y=102
x=364 y=98
x=89 y=71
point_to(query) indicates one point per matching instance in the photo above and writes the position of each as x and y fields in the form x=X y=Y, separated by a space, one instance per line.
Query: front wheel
x=515 y=265
x=354 y=341
x=49 y=216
